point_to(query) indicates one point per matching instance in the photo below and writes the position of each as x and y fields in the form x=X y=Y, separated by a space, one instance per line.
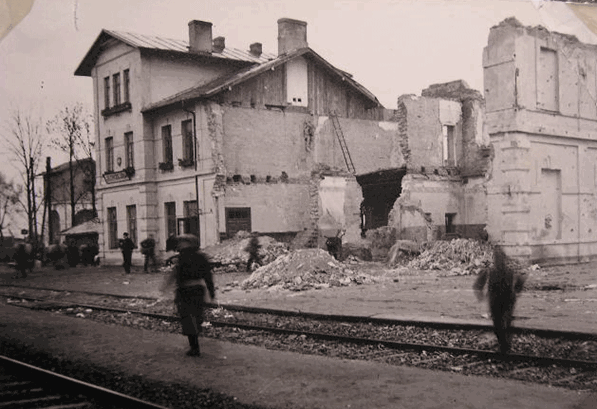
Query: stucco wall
x=275 y=207
x=543 y=190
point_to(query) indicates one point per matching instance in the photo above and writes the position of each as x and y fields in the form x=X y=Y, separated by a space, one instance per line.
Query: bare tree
x=72 y=134
x=23 y=139
x=9 y=202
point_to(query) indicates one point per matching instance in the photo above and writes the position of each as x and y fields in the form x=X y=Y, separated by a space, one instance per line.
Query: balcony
x=126 y=106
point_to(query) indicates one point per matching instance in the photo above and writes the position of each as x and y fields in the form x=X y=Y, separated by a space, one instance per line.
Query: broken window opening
x=450 y=227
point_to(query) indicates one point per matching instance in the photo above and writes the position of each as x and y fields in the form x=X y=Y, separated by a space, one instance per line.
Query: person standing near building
x=193 y=277
x=126 y=246
x=148 y=251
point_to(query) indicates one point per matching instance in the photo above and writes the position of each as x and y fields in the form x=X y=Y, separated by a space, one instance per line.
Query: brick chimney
x=255 y=49
x=292 y=34
x=219 y=44
x=200 y=36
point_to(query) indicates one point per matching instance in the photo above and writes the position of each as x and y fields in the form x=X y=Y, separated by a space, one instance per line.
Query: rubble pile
x=455 y=257
x=232 y=253
x=304 y=269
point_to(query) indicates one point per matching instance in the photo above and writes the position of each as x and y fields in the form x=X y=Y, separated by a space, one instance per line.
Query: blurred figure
x=126 y=246
x=193 y=277
x=88 y=253
x=23 y=258
x=253 y=250
x=148 y=251
x=55 y=254
x=72 y=254
x=503 y=286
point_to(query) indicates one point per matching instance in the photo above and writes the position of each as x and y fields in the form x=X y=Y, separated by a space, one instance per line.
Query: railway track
x=26 y=386
x=559 y=358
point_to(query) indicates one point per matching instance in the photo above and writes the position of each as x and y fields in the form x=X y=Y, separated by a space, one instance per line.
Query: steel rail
x=483 y=354
x=541 y=332
x=72 y=385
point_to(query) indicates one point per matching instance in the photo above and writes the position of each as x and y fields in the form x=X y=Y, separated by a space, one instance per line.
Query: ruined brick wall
x=475 y=153
x=420 y=129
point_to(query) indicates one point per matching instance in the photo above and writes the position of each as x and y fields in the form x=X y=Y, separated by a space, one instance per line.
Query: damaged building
x=197 y=137
x=540 y=90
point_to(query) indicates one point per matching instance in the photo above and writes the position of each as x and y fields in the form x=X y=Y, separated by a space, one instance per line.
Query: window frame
x=167 y=147
x=116 y=90
x=112 y=227
x=129 y=148
x=126 y=79
x=109 y=145
x=107 y=92
x=170 y=218
x=188 y=148
x=131 y=222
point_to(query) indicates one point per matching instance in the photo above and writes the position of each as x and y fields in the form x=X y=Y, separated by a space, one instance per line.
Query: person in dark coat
x=503 y=286
x=126 y=246
x=193 y=277
x=24 y=260
x=148 y=251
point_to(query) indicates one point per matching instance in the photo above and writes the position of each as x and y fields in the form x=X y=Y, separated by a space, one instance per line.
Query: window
x=129 y=152
x=131 y=222
x=547 y=80
x=237 y=219
x=167 y=143
x=110 y=154
x=449 y=148
x=107 y=92
x=116 y=84
x=187 y=140
x=170 y=211
x=190 y=223
x=127 y=80
x=112 y=228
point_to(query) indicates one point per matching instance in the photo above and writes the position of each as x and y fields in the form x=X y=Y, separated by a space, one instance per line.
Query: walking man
x=503 y=286
x=148 y=251
x=193 y=277
x=126 y=246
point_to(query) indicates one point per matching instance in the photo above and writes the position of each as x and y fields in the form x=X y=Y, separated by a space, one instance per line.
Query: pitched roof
x=91 y=226
x=64 y=166
x=148 y=42
x=209 y=89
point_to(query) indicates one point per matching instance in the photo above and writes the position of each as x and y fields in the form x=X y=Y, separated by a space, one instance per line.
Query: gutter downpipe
x=195 y=163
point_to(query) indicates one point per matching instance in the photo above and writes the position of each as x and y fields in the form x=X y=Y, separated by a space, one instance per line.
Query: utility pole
x=49 y=199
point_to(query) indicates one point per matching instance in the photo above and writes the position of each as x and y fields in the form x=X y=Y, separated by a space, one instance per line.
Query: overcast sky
x=391 y=47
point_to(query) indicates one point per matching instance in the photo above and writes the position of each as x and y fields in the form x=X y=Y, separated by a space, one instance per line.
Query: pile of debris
x=232 y=255
x=304 y=269
x=454 y=257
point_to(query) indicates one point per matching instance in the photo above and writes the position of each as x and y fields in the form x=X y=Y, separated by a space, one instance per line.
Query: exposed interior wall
x=275 y=207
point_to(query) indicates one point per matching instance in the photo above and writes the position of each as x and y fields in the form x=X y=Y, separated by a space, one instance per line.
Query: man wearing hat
x=126 y=246
x=193 y=277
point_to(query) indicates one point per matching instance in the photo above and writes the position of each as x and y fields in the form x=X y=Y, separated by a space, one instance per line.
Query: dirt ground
x=560 y=297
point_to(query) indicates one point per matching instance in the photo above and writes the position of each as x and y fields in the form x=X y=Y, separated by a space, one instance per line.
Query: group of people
x=127 y=246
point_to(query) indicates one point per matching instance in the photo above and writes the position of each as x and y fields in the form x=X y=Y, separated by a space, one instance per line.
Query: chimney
x=292 y=34
x=200 y=36
x=219 y=44
x=255 y=49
